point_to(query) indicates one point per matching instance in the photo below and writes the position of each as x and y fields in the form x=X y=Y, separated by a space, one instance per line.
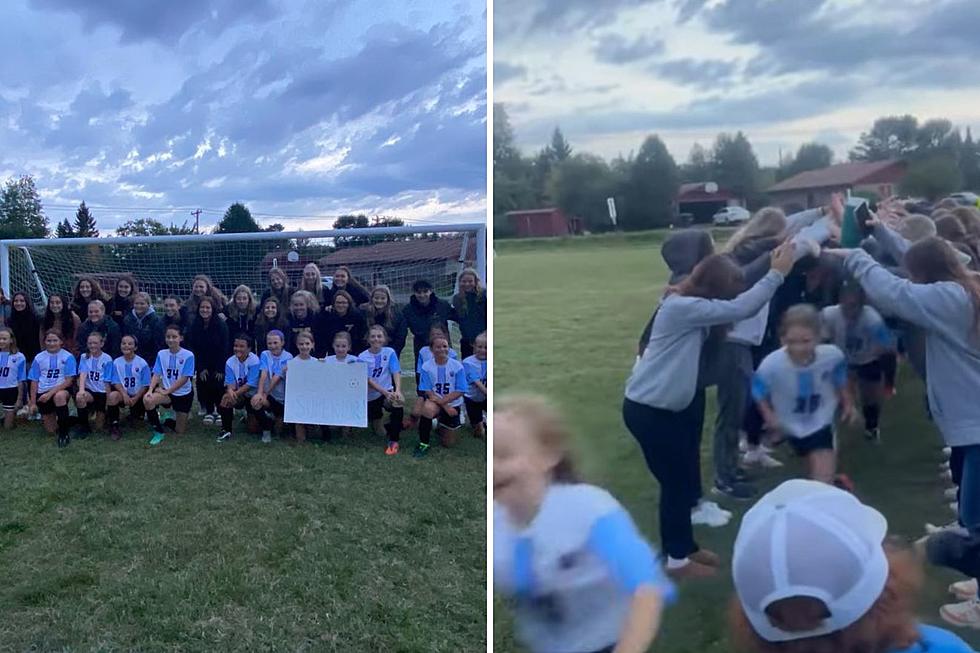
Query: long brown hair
x=932 y=260
x=547 y=426
x=97 y=293
x=388 y=312
x=715 y=277
x=459 y=301
x=889 y=625
x=766 y=223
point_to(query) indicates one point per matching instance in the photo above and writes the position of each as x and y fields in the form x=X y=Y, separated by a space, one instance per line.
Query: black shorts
x=447 y=422
x=869 y=372
x=98 y=402
x=181 y=404
x=822 y=439
x=377 y=408
x=475 y=410
x=8 y=397
x=45 y=407
x=276 y=407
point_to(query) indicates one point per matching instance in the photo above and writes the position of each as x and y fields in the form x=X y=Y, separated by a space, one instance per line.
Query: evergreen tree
x=64 y=229
x=651 y=187
x=21 y=213
x=735 y=166
x=237 y=220
x=559 y=150
x=84 y=223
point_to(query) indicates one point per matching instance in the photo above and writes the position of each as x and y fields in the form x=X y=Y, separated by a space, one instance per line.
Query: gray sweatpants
x=733 y=394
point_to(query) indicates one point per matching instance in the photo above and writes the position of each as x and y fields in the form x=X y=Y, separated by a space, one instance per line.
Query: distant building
x=814 y=187
x=543 y=223
x=701 y=200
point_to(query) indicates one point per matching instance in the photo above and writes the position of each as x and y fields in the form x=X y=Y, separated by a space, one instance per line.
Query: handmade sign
x=326 y=393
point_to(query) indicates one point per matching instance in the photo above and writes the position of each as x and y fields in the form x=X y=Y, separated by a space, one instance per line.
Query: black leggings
x=209 y=392
x=671 y=447
x=228 y=415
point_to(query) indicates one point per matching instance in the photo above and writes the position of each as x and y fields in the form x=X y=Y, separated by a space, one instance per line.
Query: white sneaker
x=224 y=437
x=702 y=516
x=952 y=526
x=760 y=457
x=965 y=589
x=965 y=614
x=950 y=493
x=947 y=451
x=207 y=420
x=22 y=412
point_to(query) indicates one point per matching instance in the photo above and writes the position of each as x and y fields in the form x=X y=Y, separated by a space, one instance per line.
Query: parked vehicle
x=731 y=215
x=966 y=199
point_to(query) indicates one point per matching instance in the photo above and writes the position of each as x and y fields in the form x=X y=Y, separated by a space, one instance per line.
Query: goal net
x=166 y=265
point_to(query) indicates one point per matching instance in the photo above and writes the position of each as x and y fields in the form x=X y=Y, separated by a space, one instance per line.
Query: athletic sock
x=227 y=417
x=674 y=563
x=154 y=419
x=82 y=418
x=63 y=421
x=425 y=429
x=871 y=414
x=112 y=414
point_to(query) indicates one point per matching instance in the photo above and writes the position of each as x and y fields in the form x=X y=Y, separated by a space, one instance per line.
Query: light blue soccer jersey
x=132 y=375
x=349 y=359
x=381 y=369
x=862 y=340
x=97 y=371
x=170 y=367
x=50 y=370
x=476 y=370
x=274 y=366
x=239 y=373
x=425 y=355
x=13 y=369
x=444 y=379
x=573 y=570
x=804 y=398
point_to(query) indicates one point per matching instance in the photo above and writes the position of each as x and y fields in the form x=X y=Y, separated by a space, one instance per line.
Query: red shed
x=543 y=223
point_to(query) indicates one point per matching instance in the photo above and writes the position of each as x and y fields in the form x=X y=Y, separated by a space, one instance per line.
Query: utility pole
x=197 y=221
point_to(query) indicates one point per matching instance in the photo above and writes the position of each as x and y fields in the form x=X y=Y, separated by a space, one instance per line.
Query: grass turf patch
x=201 y=546
x=566 y=324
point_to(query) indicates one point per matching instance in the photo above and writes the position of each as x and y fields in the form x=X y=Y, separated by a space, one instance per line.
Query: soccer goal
x=165 y=265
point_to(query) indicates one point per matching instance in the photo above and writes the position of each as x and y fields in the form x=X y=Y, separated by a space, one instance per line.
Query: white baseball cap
x=811 y=539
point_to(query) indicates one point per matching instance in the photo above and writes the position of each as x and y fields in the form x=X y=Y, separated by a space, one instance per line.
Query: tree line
x=644 y=184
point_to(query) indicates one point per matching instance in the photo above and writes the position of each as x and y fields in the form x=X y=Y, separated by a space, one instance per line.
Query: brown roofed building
x=543 y=223
x=814 y=187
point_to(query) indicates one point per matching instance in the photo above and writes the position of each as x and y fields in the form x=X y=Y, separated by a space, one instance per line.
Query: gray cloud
x=516 y=18
x=613 y=49
x=161 y=21
x=708 y=73
x=504 y=72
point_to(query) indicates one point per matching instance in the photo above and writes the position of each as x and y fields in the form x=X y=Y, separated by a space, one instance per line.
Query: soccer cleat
x=63 y=441
x=208 y=419
x=761 y=458
x=224 y=437
x=115 y=433
x=421 y=450
x=964 y=590
x=873 y=435
x=157 y=438
x=965 y=613
x=266 y=437
x=392 y=449
x=709 y=514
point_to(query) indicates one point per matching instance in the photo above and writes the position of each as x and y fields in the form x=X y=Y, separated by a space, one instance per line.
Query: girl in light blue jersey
x=578 y=573
x=52 y=374
x=13 y=373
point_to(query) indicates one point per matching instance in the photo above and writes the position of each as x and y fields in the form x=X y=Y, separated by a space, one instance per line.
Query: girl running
x=241 y=382
x=271 y=393
x=444 y=383
x=13 y=374
x=170 y=385
x=798 y=389
x=860 y=332
x=384 y=387
x=476 y=380
x=94 y=376
x=568 y=555
x=130 y=382
x=52 y=374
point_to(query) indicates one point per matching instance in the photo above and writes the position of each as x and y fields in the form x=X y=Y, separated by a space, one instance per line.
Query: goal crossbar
x=477 y=228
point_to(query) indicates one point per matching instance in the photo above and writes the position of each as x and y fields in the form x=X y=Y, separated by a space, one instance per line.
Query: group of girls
x=236 y=352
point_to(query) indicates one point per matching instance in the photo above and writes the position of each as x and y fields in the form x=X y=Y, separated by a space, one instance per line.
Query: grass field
x=239 y=546
x=586 y=301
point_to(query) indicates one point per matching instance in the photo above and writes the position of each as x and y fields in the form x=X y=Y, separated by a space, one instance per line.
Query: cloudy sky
x=783 y=71
x=297 y=107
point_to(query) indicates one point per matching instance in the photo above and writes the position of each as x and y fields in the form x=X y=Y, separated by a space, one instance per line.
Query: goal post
x=165 y=265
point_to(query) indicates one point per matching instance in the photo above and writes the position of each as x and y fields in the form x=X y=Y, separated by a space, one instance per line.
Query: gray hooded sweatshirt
x=666 y=376
x=946 y=312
